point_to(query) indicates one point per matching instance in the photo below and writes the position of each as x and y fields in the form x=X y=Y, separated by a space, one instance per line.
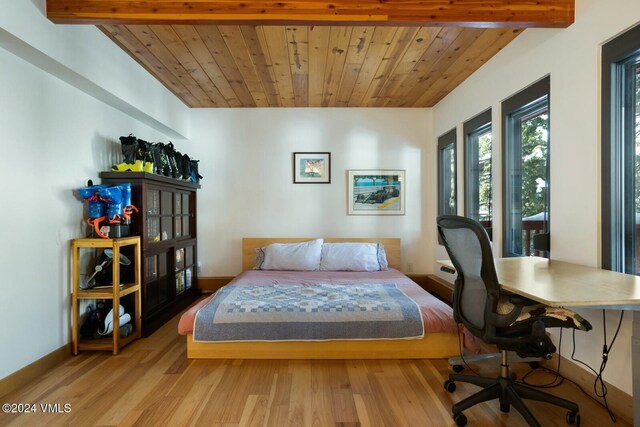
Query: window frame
x=444 y=141
x=478 y=124
x=516 y=103
x=615 y=223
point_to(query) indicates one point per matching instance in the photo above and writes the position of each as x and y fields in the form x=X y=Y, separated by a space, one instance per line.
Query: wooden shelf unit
x=166 y=223
x=114 y=293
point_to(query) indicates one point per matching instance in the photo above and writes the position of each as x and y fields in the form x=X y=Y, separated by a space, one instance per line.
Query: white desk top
x=558 y=283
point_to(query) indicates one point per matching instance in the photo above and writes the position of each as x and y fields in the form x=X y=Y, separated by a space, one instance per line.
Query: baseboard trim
x=34 y=370
x=209 y=285
x=620 y=402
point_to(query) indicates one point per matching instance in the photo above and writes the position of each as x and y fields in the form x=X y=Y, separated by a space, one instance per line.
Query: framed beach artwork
x=311 y=168
x=375 y=192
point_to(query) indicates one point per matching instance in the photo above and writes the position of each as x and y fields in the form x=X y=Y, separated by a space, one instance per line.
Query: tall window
x=477 y=169
x=621 y=153
x=525 y=118
x=447 y=173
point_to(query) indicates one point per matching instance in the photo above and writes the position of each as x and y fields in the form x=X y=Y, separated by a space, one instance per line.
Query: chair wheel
x=460 y=419
x=450 y=386
x=457 y=368
x=504 y=407
x=513 y=376
x=573 y=418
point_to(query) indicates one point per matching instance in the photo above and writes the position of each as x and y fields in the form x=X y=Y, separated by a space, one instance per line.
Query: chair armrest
x=514 y=303
x=518 y=300
x=504 y=320
x=521 y=301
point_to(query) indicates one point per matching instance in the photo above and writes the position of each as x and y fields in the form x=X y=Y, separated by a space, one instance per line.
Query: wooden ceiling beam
x=465 y=13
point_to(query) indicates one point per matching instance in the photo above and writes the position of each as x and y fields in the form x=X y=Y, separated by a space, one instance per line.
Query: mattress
x=437 y=316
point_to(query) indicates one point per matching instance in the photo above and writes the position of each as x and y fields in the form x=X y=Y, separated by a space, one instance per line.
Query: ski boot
x=155 y=153
x=148 y=164
x=171 y=155
x=194 y=175
x=129 y=148
x=131 y=162
x=162 y=160
x=137 y=166
x=97 y=207
x=184 y=169
x=112 y=195
x=145 y=154
x=119 y=207
x=177 y=158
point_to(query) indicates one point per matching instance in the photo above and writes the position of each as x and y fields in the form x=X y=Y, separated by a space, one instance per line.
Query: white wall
x=84 y=57
x=248 y=191
x=54 y=137
x=572 y=58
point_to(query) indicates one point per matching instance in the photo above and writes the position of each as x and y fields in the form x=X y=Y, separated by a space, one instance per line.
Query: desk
x=558 y=283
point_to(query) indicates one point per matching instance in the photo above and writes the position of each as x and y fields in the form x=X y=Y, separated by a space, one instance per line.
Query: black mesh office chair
x=476 y=301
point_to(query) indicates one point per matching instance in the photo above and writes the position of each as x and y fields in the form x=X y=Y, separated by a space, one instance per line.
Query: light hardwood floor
x=152 y=383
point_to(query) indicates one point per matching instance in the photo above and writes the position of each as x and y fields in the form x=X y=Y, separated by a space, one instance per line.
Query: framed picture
x=375 y=192
x=311 y=168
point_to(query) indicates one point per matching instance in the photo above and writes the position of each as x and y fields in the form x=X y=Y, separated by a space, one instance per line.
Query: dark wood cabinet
x=166 y=222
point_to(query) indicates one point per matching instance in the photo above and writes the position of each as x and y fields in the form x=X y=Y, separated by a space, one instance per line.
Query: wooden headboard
x=250 y=244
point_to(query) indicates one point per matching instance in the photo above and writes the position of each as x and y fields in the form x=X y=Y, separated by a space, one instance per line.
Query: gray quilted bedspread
x=308 y=312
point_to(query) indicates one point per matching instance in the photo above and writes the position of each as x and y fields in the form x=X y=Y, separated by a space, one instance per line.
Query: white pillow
x=353 y=257
x=303 y=256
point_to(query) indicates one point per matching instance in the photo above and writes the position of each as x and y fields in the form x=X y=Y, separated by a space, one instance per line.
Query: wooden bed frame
x=432 y=346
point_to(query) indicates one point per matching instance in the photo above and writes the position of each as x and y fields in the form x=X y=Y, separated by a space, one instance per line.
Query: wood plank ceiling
x=309 y=66
x=302 y=53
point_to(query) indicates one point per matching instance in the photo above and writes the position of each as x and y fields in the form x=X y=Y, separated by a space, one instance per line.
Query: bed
x=440 y=340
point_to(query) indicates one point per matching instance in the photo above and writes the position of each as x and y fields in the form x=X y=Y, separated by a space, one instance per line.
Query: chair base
x=458 y=363
x=509 y=393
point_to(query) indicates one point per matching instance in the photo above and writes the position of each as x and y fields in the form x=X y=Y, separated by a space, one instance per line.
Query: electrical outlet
x=409 y=267
x=199 y=267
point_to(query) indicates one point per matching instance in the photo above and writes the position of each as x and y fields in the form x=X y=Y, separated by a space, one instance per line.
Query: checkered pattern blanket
x=308 y=312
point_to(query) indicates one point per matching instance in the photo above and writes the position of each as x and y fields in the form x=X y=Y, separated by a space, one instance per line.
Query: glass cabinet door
x=151 y=272
x=186 y=213
x=190 y=265
x=179 y=259
x=168 y=215
x=166 y=209
x=153 y=202
x=177 y=211
x=184 y=267
x=153 y=216
x=156 y=289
